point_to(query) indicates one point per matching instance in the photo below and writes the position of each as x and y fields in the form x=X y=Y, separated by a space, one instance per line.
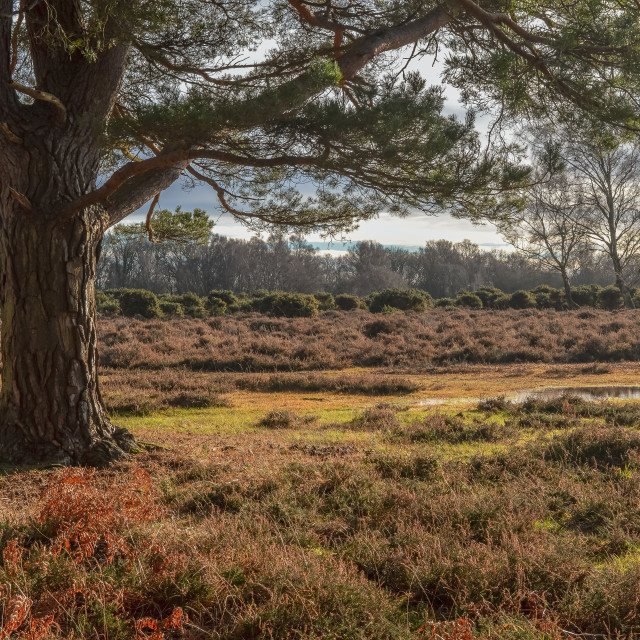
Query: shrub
x=488 y=295
x=470 y=300
x=375 y=328
x=548 y=297
x=188 y=299
x=444 y=302
x=196 y=311
x=216 y=306
x=232 y=302
x=403 y=299
x=171 y=309
x=282 y=419
x=501 y=302
x=347 y=302
x=325 y=300
x=287 y=305
x=109 y=308
x=134 y=302
x=106 y=305
x=192 y=304
x=586 y=295
x=522 y=300
x=610 y=298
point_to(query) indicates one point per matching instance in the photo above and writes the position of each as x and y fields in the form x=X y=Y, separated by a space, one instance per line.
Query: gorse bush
x=231 y=301
x=347 y=302
x=610 y=298
x=171 y=309
x=444 y=302
x=469 y=300
x=326 y=301
x=586 y=295
x=522 y=300
x=548 y=297
x=403 y=299
x=282 y=304
x=287 y=305
x=139 y=302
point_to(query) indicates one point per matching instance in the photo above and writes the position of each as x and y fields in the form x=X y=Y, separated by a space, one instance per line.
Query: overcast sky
x=412 y=232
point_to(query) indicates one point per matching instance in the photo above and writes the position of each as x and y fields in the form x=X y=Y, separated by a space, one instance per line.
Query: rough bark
x=50 y=405
x=567 y=289
x=624 y=289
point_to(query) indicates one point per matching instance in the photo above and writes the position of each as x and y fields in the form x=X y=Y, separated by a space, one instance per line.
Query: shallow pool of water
x=586 y=393
x=551 y=393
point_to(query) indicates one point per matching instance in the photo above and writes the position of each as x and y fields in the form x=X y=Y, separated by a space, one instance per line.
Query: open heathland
x=299 y=498
x=498 y=521
x=337 y=340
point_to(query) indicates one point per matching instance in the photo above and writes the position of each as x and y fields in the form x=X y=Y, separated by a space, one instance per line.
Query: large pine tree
x=105 y=103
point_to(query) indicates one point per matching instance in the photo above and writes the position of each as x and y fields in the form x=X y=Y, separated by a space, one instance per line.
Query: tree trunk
x=567 y=290
x=50 y=405
x=624 y=289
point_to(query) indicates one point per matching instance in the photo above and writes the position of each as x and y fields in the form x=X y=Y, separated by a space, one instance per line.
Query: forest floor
x=338 y=504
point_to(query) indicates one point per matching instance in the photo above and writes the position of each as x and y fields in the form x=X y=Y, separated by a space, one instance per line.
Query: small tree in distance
x=605 y=173
x=549 y=228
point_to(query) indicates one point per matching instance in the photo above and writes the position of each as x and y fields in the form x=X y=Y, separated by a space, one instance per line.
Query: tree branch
x=174 y=161
x=220 y=192
x=147 y=222
x=61 y=110
x=317 y=20
x=396 y=37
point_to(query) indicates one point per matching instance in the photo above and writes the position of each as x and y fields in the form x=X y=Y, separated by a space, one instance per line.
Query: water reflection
x=551 y=393
x=586 y=393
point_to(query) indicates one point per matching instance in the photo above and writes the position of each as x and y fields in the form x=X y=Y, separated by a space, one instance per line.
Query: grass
x=383 y=520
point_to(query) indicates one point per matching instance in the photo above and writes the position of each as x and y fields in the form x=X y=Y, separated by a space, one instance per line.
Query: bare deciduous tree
x=549 y=229
x=606 y=182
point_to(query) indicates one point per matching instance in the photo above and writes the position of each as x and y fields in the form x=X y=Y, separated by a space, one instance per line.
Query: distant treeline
x=141 y=302
x=440 y=268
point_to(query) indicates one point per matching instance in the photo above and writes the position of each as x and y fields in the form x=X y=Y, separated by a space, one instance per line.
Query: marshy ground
x=337 y=504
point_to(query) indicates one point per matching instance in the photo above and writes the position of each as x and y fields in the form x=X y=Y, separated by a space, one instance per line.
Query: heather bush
x=251 y=342
x=347 y=302
x=280 y=419
x=375 y=328
x=139 y=302
x=403 y=299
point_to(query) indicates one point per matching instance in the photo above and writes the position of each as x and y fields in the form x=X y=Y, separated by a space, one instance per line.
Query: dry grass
x=294 y=533
x=338 y=340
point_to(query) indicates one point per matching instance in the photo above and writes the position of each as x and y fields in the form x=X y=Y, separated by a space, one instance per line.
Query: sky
x=411 y=232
